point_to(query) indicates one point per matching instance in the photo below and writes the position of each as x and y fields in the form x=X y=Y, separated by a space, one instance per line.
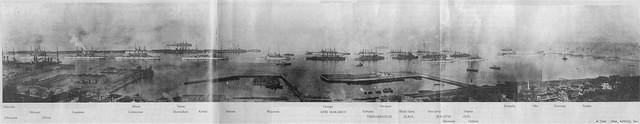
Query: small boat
x=472 y=70
x=494 y=67
x=284 y=63
x=506 y=51
x=371 y=92
x=276 y=56
x=387 y=90
x=359 y=65
x=614 y=58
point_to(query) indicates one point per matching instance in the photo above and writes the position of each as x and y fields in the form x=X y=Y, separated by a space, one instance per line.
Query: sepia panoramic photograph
x=319 y=51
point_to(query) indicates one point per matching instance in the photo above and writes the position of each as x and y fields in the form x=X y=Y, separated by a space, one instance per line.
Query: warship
x=326 y=55
x=8 y=60
x=83 y=54
x=276 y=56
x=436 y=57
x=235 y=49
x=400 y=55
x=369 y=55
x=459 y=54
x=179 y=48
x=328 y=50
x=206 y=57
x=40 y=57
x=137 y=54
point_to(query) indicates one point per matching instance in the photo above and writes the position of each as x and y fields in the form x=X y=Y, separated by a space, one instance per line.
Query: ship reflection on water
x=240 y=77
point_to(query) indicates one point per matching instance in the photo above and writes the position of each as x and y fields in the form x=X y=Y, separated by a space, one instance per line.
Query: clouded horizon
x=458 y=25
x=69 y=25
x=314 y=24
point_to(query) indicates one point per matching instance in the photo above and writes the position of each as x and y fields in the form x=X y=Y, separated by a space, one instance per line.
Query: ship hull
x=283 y=64
x=203 y=58
x=87 y=57
x=439 y=60
x=277 y=58
x=138 y=58
x=326 y=58
x=405 y=57
x=230 y=51
x=370 y=58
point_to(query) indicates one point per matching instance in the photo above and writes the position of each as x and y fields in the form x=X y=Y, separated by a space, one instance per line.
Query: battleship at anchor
x=83 y=54
x=326 y=55
x=137 y=53
x=206 y=57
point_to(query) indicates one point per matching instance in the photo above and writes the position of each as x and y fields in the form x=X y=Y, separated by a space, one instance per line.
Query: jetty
x=381 y=77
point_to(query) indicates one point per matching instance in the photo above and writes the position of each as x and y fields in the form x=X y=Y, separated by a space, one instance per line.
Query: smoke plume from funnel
x=76 y=38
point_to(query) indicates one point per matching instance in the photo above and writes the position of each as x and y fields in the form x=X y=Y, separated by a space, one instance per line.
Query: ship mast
x=57 y=55
x=14 y=53
x=615 y=51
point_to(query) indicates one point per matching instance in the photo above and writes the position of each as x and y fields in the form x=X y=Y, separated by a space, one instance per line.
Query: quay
x=381 y=77
x=130 y=77
x=290 y=86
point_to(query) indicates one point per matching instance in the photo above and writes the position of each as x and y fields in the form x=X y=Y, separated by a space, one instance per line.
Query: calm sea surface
x=170 y=72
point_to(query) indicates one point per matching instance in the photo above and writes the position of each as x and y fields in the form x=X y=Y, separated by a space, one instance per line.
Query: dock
x=290 y=86
x=381 y=77
x=369 y=78
x=130 y=77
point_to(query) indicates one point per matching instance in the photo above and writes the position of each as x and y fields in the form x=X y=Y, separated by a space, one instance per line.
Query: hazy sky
x=313 y=24
x=459 y=25
x=104 y=25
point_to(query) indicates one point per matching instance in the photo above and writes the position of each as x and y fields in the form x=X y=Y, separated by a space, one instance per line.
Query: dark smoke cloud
x=37 y=40
x=80 y=32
